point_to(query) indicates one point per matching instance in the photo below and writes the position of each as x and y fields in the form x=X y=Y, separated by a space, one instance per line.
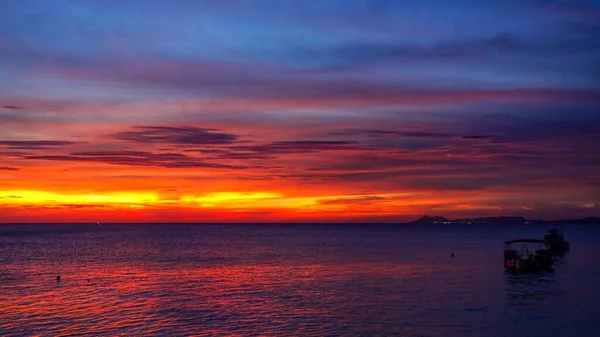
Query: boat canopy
x=524 y=240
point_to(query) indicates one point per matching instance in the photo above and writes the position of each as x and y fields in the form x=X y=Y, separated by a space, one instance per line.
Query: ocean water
x=290 y=280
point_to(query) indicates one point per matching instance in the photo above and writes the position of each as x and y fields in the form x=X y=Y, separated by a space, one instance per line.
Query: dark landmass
x=428 y=220
x=501 y=220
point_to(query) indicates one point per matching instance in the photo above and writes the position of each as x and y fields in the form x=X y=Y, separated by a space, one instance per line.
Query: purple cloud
x=34 y=144
x=184 y=135
x=138 y=158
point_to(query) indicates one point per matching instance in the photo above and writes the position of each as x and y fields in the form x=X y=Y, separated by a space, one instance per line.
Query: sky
x=298 y=111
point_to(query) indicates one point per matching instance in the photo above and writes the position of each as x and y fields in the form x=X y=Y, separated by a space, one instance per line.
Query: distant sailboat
x=97 y=223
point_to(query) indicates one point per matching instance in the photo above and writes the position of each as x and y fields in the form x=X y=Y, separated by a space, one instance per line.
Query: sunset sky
x=298 y=111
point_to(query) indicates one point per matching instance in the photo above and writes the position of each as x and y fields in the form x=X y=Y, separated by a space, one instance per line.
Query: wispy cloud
x=185 y=135
x=351 y=200
x=34 y=144
x=137 y=158
x=299 y=146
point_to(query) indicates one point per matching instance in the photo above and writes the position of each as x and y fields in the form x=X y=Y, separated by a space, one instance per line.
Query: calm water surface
x=290 y=280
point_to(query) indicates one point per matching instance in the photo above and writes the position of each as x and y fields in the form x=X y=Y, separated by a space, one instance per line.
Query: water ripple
x=217 y=282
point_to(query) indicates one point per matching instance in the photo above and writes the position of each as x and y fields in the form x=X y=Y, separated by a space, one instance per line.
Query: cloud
x=270 y=151
x=6 y=168
x=246 y=156
x=130 y=154
x=551 y=124
x=138 y=158
x=74 y=206
x=13 y=107
x=560 y=129
x=575 y=8
x=272 y=87
x=184 y=135
x=65 y=206
x=300 y=146
x=383 y=133
x=226 y=154
x=350 y=200
x=34 y=144
x=560 y=41
x=415 y=139
x=492 y=139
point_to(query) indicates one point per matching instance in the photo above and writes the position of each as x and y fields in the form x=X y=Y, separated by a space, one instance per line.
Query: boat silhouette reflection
x=530 y=289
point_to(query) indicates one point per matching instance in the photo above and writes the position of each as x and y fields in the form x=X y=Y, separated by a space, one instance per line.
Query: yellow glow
x=40 y=197
x=221 y=197
x=137 y=200
x=231 y=201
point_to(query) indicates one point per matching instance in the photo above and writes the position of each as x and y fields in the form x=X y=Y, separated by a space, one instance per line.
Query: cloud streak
x=34 y=144
x=185 y=135
x=136 y=158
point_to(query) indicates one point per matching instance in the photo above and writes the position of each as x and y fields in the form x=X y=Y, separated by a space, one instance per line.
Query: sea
x=291 y=280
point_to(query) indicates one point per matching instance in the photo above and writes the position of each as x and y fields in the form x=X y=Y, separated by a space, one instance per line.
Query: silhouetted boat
x=97 y=223
x=532 y=255
x=556 y=241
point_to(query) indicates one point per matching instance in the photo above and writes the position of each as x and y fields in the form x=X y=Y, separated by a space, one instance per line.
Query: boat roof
x=524 y=240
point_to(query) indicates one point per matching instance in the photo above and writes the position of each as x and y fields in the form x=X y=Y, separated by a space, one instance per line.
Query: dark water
x=290 y=280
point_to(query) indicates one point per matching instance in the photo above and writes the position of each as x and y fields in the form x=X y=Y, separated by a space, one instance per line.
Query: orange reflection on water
x=231 y=299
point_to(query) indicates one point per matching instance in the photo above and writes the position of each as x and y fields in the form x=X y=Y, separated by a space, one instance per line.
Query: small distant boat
x=97 y=223
x=555 y=241
x=532 y=255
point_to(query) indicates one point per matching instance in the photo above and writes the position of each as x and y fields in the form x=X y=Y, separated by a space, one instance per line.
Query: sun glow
x=139 y=199
x=41 y=197
x=220 y=197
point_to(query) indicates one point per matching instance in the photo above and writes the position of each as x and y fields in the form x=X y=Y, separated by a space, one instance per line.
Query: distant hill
x=493 y=220
x=516 y=220
x=429 y=220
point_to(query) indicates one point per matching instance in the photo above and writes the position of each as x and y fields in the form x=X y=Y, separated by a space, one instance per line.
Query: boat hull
x=539 y=260
x=526 y=266
x=557 y=246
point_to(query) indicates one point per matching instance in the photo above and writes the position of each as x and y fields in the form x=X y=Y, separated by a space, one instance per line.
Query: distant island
x=503 y=220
